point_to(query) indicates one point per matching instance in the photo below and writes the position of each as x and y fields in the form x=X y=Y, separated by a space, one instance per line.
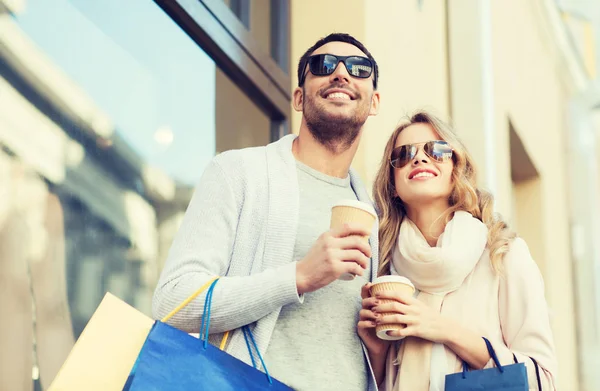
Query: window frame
x=222 y=35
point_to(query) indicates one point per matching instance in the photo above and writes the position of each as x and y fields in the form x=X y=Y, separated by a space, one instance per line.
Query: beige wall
x=260 y=23
x=528 y=217
x=529 y=91
x=469 y=98
x=410 y=46
x=239 y=122
x=426 y=62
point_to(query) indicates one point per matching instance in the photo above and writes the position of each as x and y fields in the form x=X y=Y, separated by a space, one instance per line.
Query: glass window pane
x=109 y=114
x=149 y=78
x=267 y=21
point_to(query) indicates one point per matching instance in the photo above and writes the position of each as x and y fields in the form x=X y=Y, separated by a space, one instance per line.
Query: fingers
x=405 y=332
x=365 y=291
x=369 y=303
x=354 y=256
x=393 y=307
x=354 y=242
x=347 y=229
x=397 y=296
x=395 y=319
x=366 y=324
x=352 y=268
x=365 y=314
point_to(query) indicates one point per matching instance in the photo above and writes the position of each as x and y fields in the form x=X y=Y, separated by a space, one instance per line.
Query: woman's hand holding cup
x=368 y=321
x=387 y=290
x=415 y=318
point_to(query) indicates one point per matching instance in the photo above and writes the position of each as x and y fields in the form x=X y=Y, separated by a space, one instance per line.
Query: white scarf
x=435 y=272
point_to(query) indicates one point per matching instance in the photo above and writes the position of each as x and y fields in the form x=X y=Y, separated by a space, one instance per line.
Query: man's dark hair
x=335 y=37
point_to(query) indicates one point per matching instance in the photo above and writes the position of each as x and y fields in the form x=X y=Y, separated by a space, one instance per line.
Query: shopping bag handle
x=245 y=329
x=187 y=301
x=537 y=370
x=500 y=367
x=537 y=373
x=493 y=355
x=210 y=285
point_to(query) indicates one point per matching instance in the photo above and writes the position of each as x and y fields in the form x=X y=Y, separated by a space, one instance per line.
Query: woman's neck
x=428 y=219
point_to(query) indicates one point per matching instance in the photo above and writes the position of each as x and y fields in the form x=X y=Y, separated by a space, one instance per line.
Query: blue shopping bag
x=511 y=377
x=173 y=360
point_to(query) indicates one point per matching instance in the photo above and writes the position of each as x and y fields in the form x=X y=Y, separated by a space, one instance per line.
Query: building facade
x=109 y=112
x=517 y=79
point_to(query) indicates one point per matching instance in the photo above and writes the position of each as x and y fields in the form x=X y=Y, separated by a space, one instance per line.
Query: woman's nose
x=420 y=157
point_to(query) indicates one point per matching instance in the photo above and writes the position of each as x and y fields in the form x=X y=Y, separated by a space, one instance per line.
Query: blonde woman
x=474 y=277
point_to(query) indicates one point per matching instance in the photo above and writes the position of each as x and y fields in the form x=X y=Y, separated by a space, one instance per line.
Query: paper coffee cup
x=353 y=211
x=390 y=283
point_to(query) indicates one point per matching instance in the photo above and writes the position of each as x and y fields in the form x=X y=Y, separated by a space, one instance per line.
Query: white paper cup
x=353 y=211
x=390 y=283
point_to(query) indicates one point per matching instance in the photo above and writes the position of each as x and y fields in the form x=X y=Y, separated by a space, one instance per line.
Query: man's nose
x=340 y=74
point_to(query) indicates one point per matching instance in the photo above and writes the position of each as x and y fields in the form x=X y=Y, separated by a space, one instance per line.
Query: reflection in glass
x=109 y=113
x=148 y=77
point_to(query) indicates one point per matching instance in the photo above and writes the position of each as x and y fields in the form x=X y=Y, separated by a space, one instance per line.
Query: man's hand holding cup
x=340 y=253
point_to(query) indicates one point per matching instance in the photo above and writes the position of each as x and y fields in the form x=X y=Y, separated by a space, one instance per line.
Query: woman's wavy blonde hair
x=465 y=196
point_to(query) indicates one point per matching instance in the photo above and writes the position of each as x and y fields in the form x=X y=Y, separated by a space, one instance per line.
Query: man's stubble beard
x=337 y=133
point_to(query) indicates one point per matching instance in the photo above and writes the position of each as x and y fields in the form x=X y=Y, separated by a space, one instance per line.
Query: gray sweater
x=241 y=224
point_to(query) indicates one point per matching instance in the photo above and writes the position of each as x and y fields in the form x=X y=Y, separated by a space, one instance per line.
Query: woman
x=474 y=277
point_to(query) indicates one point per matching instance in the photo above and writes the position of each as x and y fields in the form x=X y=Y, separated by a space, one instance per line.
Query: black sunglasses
x=325 y=64
x=438 y=150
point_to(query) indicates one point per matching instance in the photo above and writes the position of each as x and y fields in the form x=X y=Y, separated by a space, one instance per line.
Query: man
x=260 y=219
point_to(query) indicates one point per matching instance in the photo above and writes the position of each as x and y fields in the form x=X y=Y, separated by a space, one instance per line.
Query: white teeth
x=338 y=95
x=424 y=174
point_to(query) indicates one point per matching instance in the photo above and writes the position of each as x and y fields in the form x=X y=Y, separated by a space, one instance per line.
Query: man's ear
x=298 y=99
x=374 y=103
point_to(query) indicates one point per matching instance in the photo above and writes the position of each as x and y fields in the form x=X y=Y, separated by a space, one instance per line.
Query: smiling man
x=260 y=219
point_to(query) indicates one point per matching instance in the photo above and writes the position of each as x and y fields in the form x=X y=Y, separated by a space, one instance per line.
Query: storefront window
x=109 y=114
